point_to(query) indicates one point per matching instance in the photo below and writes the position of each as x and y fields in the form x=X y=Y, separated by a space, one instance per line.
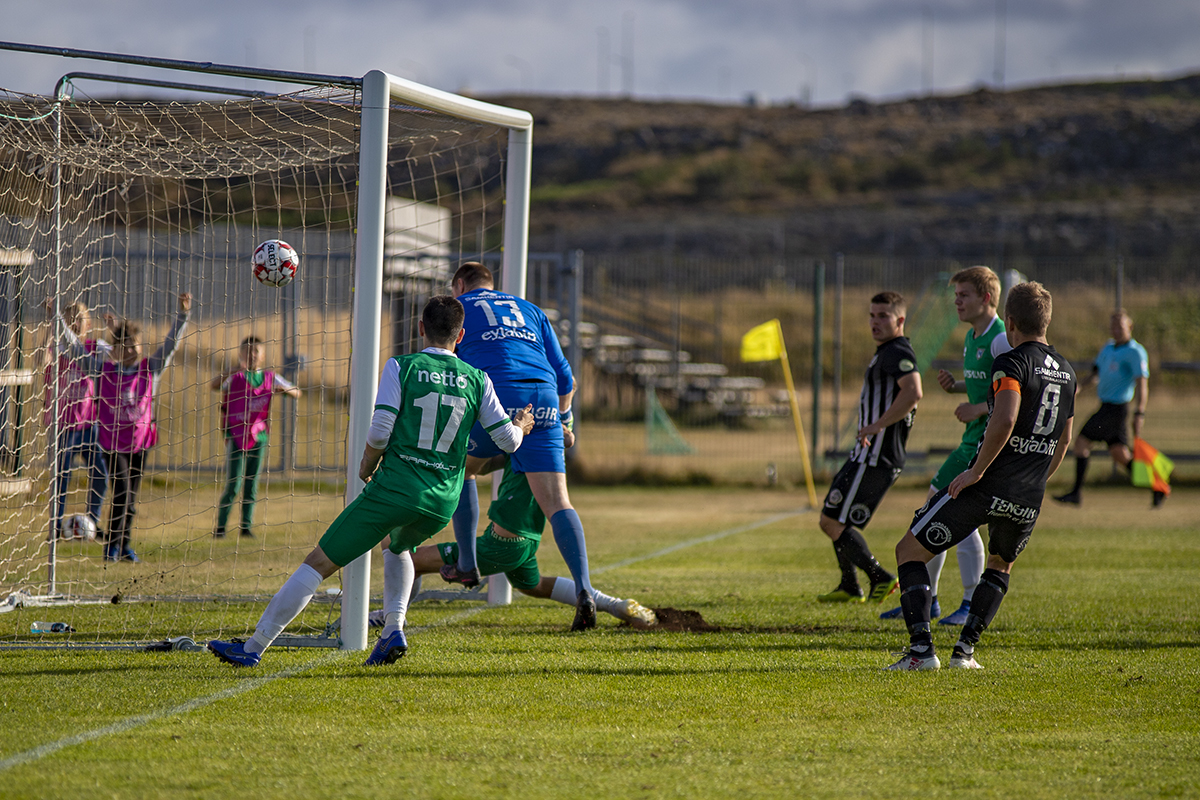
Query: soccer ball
x=275 y=263
x=80 y=526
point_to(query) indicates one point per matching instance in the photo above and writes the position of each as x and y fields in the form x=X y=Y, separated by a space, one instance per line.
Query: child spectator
x=126 y=386
x=71 y=415
x=245 y=420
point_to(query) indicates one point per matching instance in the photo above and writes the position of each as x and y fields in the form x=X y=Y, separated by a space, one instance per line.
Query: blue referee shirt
x=1119 y=366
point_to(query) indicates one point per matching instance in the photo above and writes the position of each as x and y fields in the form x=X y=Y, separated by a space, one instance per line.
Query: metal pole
x=1120 y=282
x=364 y=356
x=52 y=555
x=839 y=286
x=280 y=76
x=574 y=349
x=818 y=366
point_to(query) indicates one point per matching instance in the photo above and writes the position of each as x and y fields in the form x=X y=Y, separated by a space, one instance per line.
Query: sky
x=777 y=51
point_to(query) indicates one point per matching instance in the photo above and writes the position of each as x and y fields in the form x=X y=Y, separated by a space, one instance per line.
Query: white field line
x=130 y=723
x=242 y=687
x=712 y=537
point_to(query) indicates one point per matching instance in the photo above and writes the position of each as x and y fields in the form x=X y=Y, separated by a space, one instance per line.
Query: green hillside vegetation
x=1070 y=142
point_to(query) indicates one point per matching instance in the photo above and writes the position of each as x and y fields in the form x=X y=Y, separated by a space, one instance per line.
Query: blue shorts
x=542 y=450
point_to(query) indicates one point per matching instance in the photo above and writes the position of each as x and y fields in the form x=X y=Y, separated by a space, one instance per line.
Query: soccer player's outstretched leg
x=412 y=465
x=510 y=544
x=890 y=393
x=1031 y=406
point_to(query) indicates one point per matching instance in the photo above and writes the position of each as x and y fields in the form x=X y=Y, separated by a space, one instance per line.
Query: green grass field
x=1091 y=686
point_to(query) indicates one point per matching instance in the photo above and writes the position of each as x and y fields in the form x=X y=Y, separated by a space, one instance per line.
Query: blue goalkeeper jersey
x=511 y=340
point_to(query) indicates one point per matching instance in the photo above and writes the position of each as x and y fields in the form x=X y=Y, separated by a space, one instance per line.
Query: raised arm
x=162 y=356
x=76 y=349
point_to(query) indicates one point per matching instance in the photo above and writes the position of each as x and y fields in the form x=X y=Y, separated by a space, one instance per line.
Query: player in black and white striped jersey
x=890 y=393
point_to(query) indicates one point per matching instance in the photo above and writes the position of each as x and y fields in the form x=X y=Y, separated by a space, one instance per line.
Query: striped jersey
x=1046 y=383
x=892 y=361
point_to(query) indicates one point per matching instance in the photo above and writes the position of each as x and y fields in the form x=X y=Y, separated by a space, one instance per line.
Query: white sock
x=935 y=571
x=284 y=607
x=564 y=592
x=972 y=559
x=398 y=576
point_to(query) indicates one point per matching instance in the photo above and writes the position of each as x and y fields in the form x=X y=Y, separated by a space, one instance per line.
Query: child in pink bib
x=71 y=414
x=245 y=420
x=125 y=403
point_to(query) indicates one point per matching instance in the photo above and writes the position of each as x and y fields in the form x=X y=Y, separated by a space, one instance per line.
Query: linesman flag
x=765 y=343
x=1151 y=469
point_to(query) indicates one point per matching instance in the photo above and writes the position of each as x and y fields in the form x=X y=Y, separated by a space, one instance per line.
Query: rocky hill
x=1052 y=171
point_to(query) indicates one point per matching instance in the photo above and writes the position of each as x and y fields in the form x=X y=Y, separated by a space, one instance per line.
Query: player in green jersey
x=413 y=466
x=976 y=296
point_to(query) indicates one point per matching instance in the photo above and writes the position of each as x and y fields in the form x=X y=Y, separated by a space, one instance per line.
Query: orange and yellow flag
x=1151 y=469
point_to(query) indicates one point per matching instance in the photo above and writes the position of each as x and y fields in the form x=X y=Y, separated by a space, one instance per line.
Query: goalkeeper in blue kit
x=514 y=343
x=413 y=462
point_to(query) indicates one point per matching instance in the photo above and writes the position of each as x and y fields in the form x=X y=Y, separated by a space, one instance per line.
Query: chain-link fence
x=664 y=395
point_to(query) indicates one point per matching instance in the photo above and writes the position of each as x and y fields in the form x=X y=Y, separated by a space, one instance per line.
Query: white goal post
x=209 y=158
x=379 y=90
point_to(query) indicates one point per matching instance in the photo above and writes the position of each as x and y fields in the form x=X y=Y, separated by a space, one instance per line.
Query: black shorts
x=1108 y=425
x=857 y=491
x=944 y=521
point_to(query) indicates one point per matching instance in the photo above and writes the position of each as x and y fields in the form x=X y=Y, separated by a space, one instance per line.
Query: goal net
x=116 y=208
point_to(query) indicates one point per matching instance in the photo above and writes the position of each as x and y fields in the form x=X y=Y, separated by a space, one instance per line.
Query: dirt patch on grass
x=682 y=621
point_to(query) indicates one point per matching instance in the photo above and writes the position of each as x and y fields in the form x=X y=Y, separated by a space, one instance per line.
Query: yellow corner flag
x=763 y=342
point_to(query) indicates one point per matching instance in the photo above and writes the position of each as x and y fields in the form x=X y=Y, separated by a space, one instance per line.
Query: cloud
x=710 y=49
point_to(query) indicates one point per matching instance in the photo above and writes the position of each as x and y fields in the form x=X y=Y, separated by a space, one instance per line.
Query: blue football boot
x=233 y=653
x=388 y=650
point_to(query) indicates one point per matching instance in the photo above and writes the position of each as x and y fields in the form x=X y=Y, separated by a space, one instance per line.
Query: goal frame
x=379 y=90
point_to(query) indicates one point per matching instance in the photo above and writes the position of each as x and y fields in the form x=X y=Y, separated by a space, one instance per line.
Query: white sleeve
x=495 y=421
x=282 y=384
x=1000 y=345
x=387 y=406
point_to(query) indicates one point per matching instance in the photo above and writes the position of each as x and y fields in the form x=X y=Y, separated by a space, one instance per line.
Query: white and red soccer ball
x=275 y=263
x=81 y=527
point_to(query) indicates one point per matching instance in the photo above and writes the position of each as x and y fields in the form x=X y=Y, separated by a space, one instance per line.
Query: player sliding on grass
x=976 y=295
x=513 y=341
x=1031 y=406
x=413 y=460
x=891 y=390
x=510 y=545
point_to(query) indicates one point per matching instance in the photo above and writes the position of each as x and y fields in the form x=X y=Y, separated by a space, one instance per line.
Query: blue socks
x=568 y=535
x=466 y=520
